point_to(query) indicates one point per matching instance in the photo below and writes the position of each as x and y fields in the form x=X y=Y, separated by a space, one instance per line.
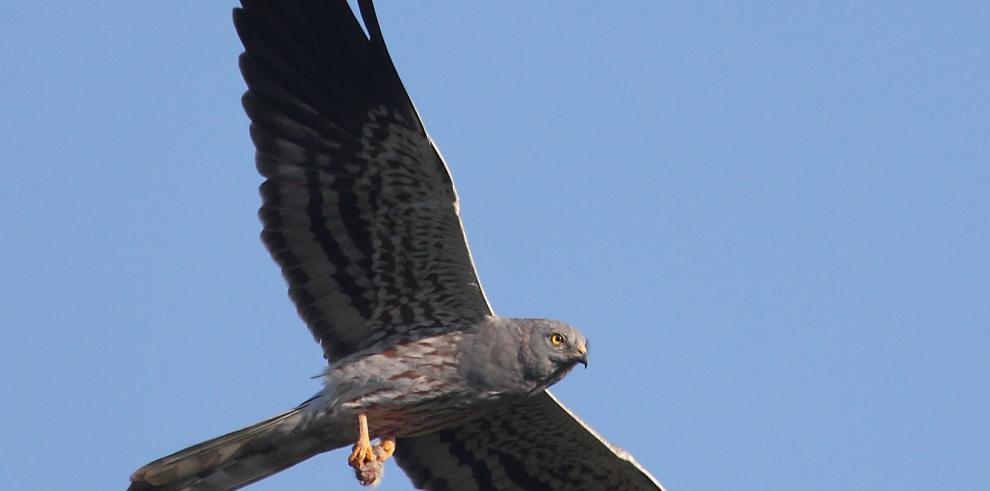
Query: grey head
x=557 y=342
x=523 y=355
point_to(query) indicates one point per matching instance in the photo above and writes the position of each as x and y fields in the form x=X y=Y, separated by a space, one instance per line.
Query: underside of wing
x=359 y=209
x=535 y=445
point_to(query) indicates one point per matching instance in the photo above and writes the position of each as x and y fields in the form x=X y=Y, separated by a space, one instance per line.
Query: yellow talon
x=369 y=461
x=363 y=451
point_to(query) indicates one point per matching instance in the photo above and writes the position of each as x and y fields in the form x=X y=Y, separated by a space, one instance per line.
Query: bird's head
x=553 y=349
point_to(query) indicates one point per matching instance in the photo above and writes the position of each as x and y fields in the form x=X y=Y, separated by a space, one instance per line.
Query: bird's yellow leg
x=362 y=452
x=385 y=448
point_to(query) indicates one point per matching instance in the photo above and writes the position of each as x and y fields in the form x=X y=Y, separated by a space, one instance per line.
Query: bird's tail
x=240 y=458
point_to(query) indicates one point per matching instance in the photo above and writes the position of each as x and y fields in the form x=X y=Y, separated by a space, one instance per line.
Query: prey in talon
x=367 y=459
x=360 y=212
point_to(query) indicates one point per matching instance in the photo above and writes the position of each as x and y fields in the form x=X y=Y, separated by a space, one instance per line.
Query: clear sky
x=772 y=222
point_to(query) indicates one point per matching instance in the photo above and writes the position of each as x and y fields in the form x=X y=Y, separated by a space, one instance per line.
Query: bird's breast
x=410 y=388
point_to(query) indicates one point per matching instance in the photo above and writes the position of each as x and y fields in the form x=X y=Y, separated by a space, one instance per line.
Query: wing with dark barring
x=359 y=209
x=535 y=445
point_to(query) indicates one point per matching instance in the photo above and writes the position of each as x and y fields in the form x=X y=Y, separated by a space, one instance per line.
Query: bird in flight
x=360 y=212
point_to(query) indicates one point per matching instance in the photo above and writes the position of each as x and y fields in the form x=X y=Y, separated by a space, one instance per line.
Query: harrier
x=360 y=212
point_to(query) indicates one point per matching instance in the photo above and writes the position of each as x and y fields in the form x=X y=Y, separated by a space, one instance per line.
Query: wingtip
x=370 y=18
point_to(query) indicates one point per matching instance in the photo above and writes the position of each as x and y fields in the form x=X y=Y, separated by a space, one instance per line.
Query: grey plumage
x=514 y=355
x=239 y=458
x=361 y=214
x=409 y=388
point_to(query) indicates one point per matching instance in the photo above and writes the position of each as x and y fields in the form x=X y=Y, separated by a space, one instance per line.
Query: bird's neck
x=493 y=358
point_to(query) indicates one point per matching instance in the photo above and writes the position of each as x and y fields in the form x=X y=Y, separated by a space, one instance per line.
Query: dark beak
x=582 y=357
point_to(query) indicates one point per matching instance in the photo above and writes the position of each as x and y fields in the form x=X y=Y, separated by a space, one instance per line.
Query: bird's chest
x=427 y=415
x=410 y=389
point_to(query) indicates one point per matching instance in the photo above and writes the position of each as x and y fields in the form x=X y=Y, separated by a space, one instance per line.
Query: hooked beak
x=582 y=357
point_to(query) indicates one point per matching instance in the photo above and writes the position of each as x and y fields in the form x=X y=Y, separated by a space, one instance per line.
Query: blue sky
x=771 y=220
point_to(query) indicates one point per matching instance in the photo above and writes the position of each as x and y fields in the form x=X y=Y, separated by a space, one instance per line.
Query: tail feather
x=239 y=458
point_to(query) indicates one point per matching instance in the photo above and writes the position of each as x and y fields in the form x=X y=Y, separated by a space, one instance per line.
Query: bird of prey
x=360 y=213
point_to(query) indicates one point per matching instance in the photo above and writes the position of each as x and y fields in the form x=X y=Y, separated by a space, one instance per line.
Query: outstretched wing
x=359 y=209
x=536 y=445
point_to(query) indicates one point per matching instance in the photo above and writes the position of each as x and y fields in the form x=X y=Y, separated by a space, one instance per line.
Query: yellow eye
x=557 y=339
